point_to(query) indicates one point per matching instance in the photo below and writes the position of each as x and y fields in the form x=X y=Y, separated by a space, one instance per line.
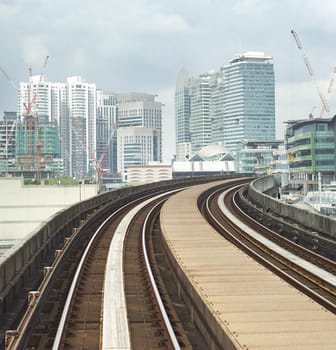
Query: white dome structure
x=213 y=152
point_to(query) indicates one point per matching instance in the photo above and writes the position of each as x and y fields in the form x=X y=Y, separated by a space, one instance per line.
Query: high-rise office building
x=137 y=146
x=230 y=105
x=249 y=102
x=182 y=116
x=200 y=121
x=140 y=110
x=106 y=130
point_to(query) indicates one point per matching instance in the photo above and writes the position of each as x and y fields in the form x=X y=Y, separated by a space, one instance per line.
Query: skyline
x=141 y=46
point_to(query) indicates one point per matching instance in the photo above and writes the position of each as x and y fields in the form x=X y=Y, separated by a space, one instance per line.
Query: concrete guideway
x=329 y=277
x=246 y=306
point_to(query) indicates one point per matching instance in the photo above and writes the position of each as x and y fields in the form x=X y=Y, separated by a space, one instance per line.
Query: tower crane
x=8 y=78
x=309 y=67
x=28 y=114
x=98 y=163
x=330 y=88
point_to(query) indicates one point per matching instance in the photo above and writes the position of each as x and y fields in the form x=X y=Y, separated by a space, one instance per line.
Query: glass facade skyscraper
x=228 y=106
x=140 y=110
x=200 y=121
x=249 y=101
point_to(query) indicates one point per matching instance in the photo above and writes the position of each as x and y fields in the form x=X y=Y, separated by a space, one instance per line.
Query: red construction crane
x=310 y=71
x=28 y=115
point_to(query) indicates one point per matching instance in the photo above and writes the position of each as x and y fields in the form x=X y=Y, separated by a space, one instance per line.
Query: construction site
x=29 y=140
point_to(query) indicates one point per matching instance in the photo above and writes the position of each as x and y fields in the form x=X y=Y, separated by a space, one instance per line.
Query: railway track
x=154 y=314
x=321 y=289
x=320 y=243
x=74 y=319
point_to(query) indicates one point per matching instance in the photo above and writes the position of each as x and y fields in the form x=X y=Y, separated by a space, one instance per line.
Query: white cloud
x=6 y=11
x=248 y=6
x=141 y=45
x=34 y=51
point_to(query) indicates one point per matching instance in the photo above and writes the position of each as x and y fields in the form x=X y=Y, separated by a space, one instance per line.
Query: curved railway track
x=319 y=242
x=75 y=319
x=319 y=289
x=156 y=315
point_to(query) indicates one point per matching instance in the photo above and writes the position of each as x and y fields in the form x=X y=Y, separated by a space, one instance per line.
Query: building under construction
x=37 y=146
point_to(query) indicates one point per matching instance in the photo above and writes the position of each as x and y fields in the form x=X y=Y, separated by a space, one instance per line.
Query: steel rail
x=280 y=220
x=159 y=301
x=66 y=309
x=287 y=276
x=280 y=237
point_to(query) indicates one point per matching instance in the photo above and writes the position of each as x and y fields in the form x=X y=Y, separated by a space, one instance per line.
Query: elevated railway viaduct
x=23 y=268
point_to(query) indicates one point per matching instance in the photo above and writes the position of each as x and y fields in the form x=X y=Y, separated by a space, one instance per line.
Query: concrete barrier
x=314 y=221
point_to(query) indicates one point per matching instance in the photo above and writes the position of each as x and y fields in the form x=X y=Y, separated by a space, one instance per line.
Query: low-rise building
x=137 y=146
x=311 y=148
x=138 y=175
x=261 y=157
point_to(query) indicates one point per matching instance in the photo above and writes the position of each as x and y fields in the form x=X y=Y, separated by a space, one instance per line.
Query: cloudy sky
x=140 y=45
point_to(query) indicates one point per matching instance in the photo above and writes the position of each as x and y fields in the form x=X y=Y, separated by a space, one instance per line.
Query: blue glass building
x=228 y=106
x=249 y=101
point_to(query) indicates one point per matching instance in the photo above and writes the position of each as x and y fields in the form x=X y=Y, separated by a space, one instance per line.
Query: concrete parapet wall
x=315 y=221
x=202 y=314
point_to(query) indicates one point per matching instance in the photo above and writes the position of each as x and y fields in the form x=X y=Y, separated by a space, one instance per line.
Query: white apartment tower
x=81 y=98
x=36 y=89
x=73 y=106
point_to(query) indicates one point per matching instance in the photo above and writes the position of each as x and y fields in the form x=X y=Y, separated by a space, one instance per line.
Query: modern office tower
x=137 y=146
x=249 y=103
x=106 y=130
x=311 y=147
x=200 y=121
x=217 y=110
x=140 y=110
x=182 y=116
x=82 y=108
